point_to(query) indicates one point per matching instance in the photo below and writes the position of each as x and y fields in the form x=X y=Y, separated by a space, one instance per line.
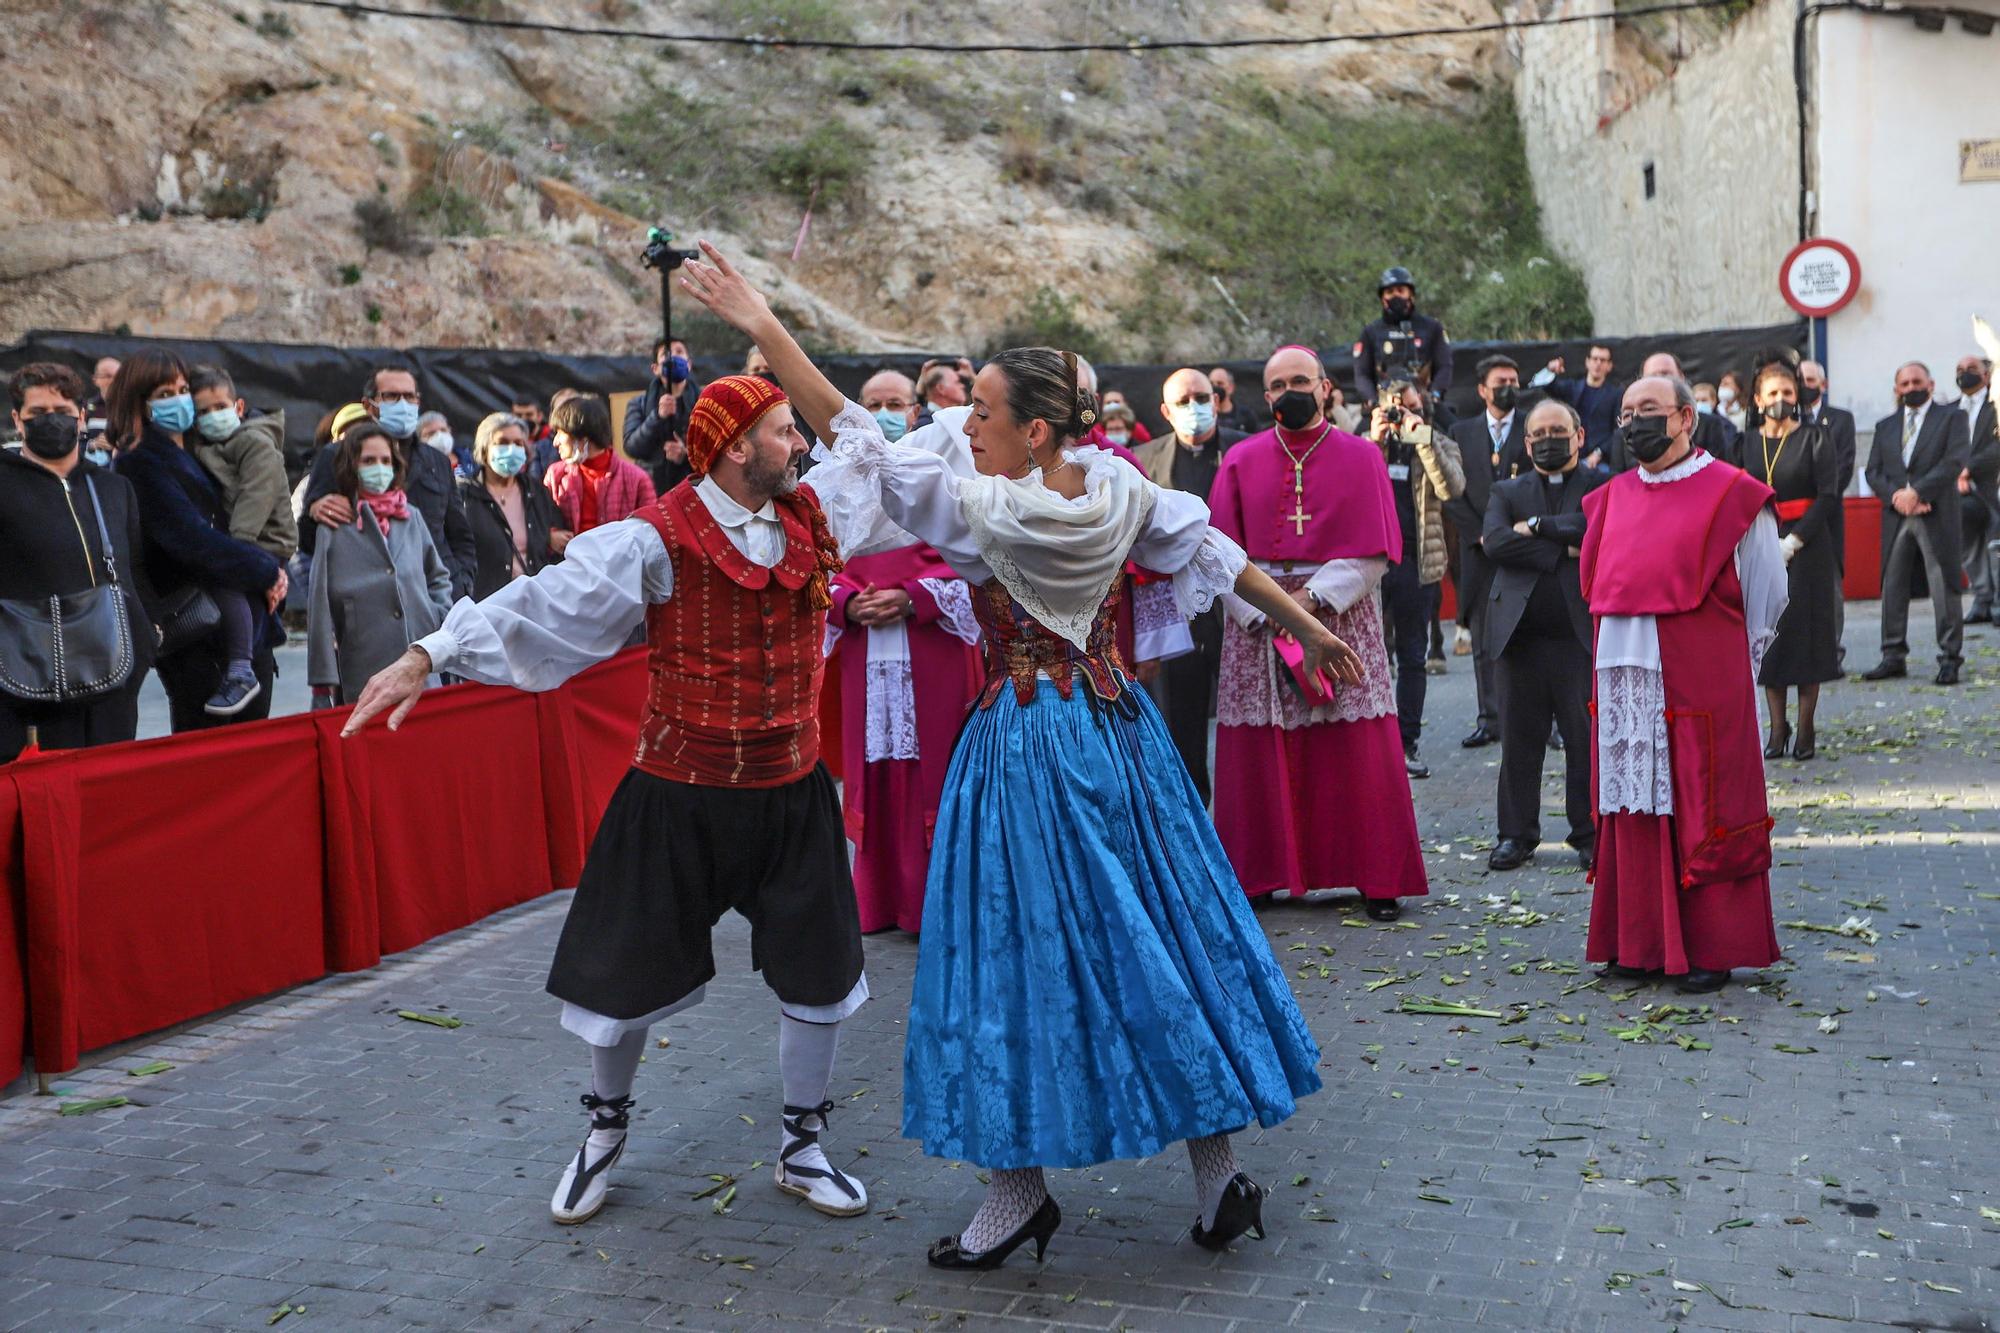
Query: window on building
x=1651 y=185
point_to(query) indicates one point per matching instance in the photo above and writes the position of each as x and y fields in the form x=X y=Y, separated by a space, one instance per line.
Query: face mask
x=1505 y=396
x=1295 y=409
x=1706 y=409
x=218 y=425
x=1118 y=436
x=1725 y=396
x=1916 y=398
x=894 y=424
x=375 y=478
x=101 y=457
x=1646 y=437
x=1193 y=420
x=507 y=459
x=1970 y=381
x=172 y=415
x=1399 y=309
x=1808 y=395
x=51 y=435
x=1550 y=454
x=1782 y=411
x=398 y=418
x=441 y=441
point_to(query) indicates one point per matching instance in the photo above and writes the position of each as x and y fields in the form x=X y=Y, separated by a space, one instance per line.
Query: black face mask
x=1550 y=453
x=1399 y=309
x=1646 y=437
x=1295 y=409
x=1782 y=411
x=1916 y=398
x=1505 y=396
x=1808 y=395
x=1971 y=381
x=52 y=435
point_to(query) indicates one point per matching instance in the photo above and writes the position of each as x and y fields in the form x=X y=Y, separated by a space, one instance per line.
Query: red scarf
x=387 y=505
x=594 y=470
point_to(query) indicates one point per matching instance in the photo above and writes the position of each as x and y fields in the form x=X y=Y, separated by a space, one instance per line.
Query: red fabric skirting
x=891 y=863
x=1641 y=917
x=152 y=882
x=1319 y=807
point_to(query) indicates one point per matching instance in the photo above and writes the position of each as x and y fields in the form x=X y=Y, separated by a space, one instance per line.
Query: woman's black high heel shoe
x=947 y=1253
x=1780 y=742
x=1241 y=1211
x=1807 y=745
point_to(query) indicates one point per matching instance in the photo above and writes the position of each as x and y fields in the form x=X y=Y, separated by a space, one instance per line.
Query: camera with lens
x=660 y=252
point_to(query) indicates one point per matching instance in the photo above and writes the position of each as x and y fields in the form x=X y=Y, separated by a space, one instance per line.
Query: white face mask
x=441 y=441
x=1725 y=395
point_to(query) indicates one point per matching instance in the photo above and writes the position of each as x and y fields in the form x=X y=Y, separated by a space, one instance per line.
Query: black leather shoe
x=1698 y=982
x=1413 y=763
x=1947 y=674
x=947 y=1253
x=1384 y=909
x=1978 y=616
x=1241 y=1211
x=1885 y=671
x=1624 y=973
x=1479 y=736
x=1511 y=854
x=1587 y=858
x=1807 y=745
x=1780 y=741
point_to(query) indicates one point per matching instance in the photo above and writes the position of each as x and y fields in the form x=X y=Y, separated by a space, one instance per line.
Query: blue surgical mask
x=398 y=418
x=1706 y=409
x=1118 y=436
x=172 y=415
x=101 y=457
x=894 y=424
x=219 y=424
x=375 y=478
x=507 y=459
x=1193 y=419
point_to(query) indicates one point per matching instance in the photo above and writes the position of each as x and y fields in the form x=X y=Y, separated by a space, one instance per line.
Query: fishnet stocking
x=1011 y=1199
x=1215 y=1166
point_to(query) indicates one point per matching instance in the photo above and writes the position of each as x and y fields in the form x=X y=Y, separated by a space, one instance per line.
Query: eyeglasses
x=1647 y=409
x=392 y=397
x=1540 y=435
x=1195 y=398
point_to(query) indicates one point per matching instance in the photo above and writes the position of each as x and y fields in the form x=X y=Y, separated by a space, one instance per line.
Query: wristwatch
x=1535 y=525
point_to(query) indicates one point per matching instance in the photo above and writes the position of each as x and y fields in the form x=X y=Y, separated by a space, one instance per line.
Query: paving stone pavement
x=1591 y=1160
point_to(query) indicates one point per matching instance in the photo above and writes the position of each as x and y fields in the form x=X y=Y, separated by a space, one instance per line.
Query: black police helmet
x=1395 y=277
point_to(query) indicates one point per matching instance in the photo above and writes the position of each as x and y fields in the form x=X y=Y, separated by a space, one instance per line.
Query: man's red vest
x=1669 y=551
x=736 y=652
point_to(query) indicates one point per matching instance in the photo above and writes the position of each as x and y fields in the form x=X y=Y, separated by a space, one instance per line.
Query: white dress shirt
x=1912 y=426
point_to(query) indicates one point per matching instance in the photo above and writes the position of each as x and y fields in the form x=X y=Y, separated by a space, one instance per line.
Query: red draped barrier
x=1862 y=579
x=152 y=882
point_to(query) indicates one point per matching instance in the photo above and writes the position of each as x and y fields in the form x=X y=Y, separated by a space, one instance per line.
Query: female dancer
x=1091 y=983
x=1797 y=462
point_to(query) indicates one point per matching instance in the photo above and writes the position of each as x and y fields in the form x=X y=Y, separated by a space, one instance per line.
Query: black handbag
x=187 y=617
x=68 y=647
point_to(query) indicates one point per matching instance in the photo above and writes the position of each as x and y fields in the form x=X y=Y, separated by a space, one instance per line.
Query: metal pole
x=1819 y=343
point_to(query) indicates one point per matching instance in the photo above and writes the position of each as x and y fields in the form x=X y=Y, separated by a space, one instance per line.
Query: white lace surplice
x=1057 y=556
x=1633 y=773
x=889 y=691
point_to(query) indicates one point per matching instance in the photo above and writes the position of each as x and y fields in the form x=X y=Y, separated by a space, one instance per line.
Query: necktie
x=1493 y=429
x=1909 y=435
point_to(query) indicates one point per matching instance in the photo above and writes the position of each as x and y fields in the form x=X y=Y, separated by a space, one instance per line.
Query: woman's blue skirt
x=1091 y=983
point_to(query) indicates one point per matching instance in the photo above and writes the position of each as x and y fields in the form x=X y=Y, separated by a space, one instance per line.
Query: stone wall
x=1719 y=131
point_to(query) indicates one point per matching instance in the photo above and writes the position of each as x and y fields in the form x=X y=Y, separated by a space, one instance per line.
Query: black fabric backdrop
x=465 y=383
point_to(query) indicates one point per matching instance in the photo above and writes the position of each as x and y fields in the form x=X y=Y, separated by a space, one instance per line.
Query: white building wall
x=1721 y=135
x=1893 y=103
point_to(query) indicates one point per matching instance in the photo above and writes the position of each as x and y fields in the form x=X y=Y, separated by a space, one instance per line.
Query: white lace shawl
x=1055 y=555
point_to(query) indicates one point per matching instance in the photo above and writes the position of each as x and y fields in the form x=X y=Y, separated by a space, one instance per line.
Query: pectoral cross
x=1298 y=518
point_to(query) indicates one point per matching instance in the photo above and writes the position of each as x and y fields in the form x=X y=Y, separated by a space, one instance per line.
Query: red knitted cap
x=724 y=413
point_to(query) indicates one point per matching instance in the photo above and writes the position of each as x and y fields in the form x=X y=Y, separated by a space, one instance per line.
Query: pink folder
x=1316 y=689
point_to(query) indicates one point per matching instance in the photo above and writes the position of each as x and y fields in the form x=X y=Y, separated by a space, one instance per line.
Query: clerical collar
x=1196 y=446
x=1695 y=461
x=1556 y=478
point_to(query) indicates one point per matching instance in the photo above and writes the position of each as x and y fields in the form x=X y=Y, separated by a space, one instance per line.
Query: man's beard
x=780 y=478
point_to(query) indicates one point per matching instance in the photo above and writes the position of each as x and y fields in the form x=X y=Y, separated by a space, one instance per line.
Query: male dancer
x=726 y=805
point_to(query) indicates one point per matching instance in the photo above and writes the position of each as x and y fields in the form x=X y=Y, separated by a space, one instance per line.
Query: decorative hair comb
x=1088 y=417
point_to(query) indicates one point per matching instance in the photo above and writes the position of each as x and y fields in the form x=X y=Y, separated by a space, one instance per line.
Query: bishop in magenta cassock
x=1312 y=797
x=1683 y=876
x=902 y=624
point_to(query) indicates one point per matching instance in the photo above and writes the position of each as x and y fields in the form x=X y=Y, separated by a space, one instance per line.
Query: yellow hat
x=348 y=416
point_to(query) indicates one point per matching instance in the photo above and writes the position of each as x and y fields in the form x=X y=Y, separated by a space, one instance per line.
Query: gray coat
x=371 y=599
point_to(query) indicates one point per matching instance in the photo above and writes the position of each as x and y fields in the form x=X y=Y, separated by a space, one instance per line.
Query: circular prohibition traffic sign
x=1819 y=276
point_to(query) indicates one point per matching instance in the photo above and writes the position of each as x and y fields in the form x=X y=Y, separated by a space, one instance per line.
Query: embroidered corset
x=1018 y=648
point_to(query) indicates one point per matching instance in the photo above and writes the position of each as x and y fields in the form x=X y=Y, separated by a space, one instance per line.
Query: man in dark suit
x=1490 y=449
x=1815 y=410
x=1186 y=460
x=1979 y=484
x=1914 y=466
x=1539 y=633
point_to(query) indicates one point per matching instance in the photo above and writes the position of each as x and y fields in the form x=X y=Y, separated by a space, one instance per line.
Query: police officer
x=1402 y=344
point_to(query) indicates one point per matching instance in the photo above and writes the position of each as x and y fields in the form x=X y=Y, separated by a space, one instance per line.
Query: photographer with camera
x=656 y=420
x=1425 y=473
x=1402 y=344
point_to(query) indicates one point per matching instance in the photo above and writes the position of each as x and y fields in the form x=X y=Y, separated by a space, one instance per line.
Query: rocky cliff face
x=248 y=169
